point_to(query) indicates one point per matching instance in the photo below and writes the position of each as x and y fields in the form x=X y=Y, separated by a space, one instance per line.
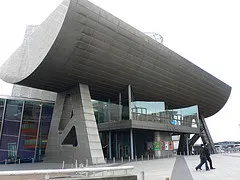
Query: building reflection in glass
x=24 y=126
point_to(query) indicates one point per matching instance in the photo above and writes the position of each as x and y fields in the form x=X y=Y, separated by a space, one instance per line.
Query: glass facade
x=24 y=129
x=108 y=112
x=155 y=112
x=146 y=111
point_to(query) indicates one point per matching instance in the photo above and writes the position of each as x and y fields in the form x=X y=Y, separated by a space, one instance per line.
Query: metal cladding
x=81 y=43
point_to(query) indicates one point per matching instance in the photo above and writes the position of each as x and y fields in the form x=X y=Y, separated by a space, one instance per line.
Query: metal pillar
x=116 y=145
x=130 y=101
x=110 y=144
x=187 y=144
x=120 y=106
x=131 y=144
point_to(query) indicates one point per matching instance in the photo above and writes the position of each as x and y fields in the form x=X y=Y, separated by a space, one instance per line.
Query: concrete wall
x=33 y=93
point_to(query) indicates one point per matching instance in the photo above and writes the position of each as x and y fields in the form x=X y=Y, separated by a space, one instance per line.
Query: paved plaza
x=183 y=168
x=174 y=168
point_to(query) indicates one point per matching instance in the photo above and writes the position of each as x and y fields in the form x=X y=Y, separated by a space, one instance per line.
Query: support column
x=130 y=101
x=116 y=145
x=164 y=137
x=157 y=153
x=187 y=144
x=205 y=135
x=110 y=145
x=131 y=144
x=73 y=133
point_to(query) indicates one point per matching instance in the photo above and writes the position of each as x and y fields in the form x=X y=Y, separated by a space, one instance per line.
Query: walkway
x=175 y=168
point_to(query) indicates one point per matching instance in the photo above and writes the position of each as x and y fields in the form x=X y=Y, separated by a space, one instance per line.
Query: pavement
x=174 y=168
x=183 y=168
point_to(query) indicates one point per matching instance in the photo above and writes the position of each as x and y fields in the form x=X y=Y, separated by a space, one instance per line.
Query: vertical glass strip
x=3 y=116
x=20 y=128
x=39 y=124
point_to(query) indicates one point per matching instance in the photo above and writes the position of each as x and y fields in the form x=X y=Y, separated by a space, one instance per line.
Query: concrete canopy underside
x=81 y=43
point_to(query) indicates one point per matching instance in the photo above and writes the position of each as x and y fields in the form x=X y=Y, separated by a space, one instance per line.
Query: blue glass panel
x=27 y=143
x=31 y=111
x=11 y=127
x=29 y=128
x=1 y=108
x=14 y=110
x=3 y=156
x=47 y=111
x=146 y=107
x=26 y=156
x=1 y=112
x=44 y=128
x=8 y=140
x=2 y=102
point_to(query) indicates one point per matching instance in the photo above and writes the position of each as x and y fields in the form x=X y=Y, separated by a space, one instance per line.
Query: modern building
x=24 y=126
x=120 y=93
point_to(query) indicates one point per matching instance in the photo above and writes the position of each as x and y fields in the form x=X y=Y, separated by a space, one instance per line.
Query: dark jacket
x=206 y=151
x=202 y=153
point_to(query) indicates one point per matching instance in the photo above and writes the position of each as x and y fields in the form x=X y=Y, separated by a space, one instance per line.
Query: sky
x=207 y=33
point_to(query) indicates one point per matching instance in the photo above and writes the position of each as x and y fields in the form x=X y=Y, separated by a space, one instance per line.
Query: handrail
x=56 y=171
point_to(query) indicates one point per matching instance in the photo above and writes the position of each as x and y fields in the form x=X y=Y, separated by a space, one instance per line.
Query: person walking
x=203 y=159
x=207 y=152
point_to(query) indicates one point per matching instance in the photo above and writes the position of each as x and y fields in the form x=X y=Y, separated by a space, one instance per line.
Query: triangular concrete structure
x=73 y=109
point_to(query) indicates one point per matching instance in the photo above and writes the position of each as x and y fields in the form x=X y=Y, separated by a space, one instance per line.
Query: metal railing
x=86 y=172
x=163 y=119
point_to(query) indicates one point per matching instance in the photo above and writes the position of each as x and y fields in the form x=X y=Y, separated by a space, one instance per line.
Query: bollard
x=180 y=153
x=136 y=158
x=32 y=160
x=86 y=162
x=46 y=177
x=63 y=164
x=168 y=154
x=19 y=161
x=122 y=159
x=5 y=161
x=96 y=161
x=142 y=175
x=76 y=164
x=105 y=160
x=129 y=159
x=142 y=157
x=148 y=156
x=153 y=156
x=113 y=159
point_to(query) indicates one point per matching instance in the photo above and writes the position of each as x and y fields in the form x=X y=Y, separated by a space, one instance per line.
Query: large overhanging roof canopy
x=81 y=43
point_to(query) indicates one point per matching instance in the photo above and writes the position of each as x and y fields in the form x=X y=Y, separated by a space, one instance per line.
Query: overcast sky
x=205 y=32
